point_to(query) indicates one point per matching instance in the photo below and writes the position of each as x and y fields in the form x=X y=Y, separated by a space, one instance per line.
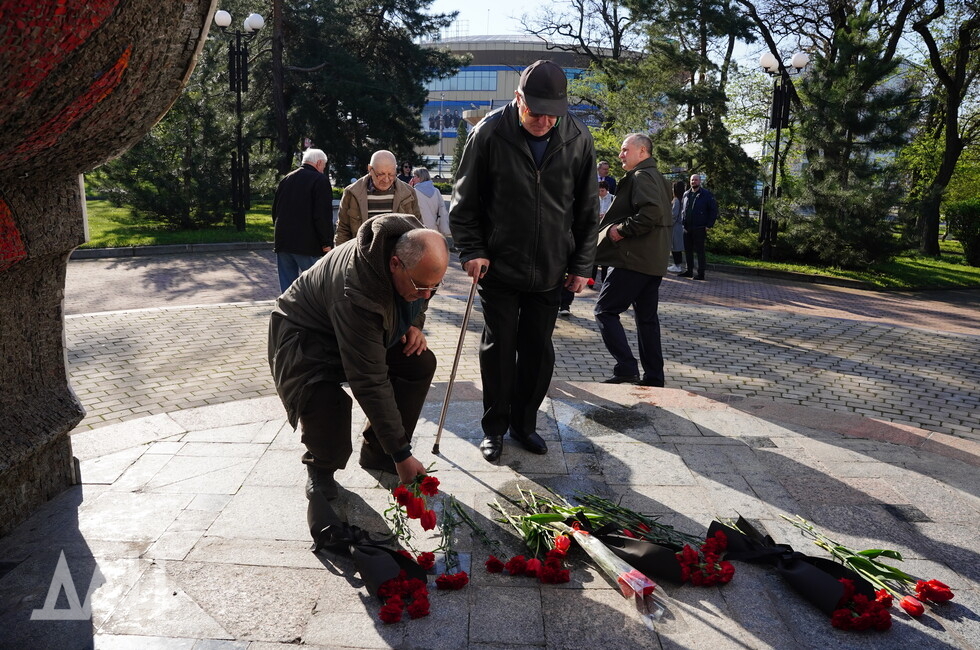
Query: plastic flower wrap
x=630 y=581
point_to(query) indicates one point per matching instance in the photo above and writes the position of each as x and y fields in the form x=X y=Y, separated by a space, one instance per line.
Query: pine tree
x=859 y=112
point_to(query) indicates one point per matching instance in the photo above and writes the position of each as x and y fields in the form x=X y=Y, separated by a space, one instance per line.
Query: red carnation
x=727 y=572
x=426 y=560
x=629 y=533
x=533 y=568
x=452 y=581
x=429 y=486
x=402 y=496
x=516 y=565
x=494 y=565
x=428 y=520
x=912 y=605
x=419 y=608
x=933 y=590
x=391 y=613
x=415 y=508
x=405 y=553
x=884 y=598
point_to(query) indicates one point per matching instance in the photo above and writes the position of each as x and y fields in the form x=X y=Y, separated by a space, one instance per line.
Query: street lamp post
x=442 y=127
x=238 y=79
x=778 y=118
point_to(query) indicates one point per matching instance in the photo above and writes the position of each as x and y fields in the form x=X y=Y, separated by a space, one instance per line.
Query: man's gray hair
x=643 y=140
x=313 y=156
x=421 y=173
x=412 y=245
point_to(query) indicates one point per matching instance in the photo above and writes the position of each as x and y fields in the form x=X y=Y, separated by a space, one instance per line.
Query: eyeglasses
x=382 y=176
x=418 y=289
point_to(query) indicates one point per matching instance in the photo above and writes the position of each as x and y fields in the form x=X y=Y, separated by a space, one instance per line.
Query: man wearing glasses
x=357 y=317
x=379 y=192
x=524 y=218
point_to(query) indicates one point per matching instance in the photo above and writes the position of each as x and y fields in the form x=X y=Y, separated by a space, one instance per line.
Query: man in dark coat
x=634 y=238
x=524 y=217
x=302 y=212
x=357 y=317
x=700 y=213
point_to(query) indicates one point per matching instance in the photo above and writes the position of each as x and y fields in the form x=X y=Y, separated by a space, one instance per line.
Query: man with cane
x=524 y=218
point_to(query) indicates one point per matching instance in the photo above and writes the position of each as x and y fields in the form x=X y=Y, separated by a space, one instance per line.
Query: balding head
x=420 y=261
x=382 y=169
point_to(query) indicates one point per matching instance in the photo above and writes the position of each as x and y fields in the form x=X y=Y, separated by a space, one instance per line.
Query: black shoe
x=623 y=379
x=686 y=274
x=491 y=447
x=650 y=382
x=321 y=480
x=532 y=442
x=699 y=277
x=371 y=459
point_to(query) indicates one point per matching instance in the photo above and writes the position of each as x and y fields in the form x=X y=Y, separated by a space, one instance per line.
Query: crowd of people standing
x=534 y=219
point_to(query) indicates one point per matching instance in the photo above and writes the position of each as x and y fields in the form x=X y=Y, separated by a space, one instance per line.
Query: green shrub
x=734 y=234
x=964 y=223
x=444 y=188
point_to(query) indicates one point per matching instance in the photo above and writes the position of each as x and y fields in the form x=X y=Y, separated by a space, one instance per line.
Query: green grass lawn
x=908 y=271
x=111 y=227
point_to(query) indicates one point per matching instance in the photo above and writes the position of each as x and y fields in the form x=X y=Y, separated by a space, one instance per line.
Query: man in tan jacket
x=634 y=237
x=379 y=192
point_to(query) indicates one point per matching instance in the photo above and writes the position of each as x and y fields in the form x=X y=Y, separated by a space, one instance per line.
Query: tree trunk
x=284 y=162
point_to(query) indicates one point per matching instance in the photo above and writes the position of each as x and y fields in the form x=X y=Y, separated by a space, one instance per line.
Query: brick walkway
x=796 y=343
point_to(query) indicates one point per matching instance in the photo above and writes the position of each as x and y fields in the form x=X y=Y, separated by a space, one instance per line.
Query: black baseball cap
x=544 y=85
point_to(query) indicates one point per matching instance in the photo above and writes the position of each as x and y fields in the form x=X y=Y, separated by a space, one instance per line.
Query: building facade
x=487 y=83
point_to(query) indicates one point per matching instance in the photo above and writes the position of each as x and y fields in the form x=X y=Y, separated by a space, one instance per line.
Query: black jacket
x=303 y=212
x=534 y=225
x=704 y=209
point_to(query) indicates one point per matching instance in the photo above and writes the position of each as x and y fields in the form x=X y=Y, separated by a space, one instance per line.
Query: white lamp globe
x=222 y=18
x=800 y=59
x=769 y=62
x=255 y=21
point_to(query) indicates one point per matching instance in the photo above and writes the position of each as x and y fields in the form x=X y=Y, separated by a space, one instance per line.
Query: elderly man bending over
x=357 y=317
x=379 y=192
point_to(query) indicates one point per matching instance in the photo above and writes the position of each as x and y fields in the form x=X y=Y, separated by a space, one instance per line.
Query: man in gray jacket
x=634 y=238
x=357 y=317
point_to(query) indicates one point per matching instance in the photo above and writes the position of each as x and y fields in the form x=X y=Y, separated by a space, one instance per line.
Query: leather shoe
x=370 y=459
x=623 y=379
x=532 y=442
x=491 y=447
x=321 y=480
x=699 y=277
x=650 y=382
x=686 y=274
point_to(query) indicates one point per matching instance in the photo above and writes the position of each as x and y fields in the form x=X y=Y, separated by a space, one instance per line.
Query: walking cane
x=459 y=349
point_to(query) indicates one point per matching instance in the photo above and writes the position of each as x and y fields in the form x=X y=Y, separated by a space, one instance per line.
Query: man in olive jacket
x=357 y=317
x=634 y=238
x=524 y=216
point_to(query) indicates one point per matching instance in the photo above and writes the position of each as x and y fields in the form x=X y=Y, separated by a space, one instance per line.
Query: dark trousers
x=694 y=239
x=624 y=288
x=517 y=357
x=326 y=418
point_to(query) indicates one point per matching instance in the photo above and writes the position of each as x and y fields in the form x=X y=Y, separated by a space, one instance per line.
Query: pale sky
x=483 y=17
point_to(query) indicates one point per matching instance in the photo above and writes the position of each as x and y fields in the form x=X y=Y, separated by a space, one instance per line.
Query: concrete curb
x=170 y=249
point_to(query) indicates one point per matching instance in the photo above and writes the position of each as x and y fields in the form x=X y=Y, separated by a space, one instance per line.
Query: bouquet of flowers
x=857 y=612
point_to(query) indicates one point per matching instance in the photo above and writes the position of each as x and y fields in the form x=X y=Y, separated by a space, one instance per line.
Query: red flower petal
x=912 y=605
